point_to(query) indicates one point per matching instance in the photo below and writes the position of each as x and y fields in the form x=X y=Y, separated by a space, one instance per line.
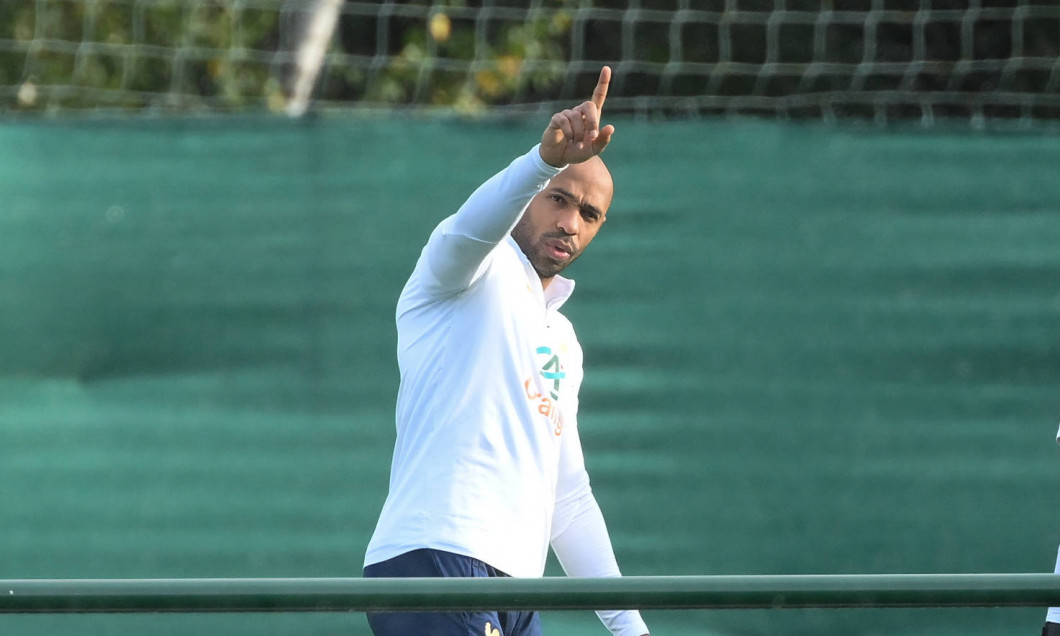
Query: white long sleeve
x=579 y=535
x=462 y=242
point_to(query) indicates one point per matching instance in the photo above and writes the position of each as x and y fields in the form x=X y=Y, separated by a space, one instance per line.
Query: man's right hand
x=574 y=135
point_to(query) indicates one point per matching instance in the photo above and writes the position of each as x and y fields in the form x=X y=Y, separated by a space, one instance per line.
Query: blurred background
x=873 y=59
x=821 y=328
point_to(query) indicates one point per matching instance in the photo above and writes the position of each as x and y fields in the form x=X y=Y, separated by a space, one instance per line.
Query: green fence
x=809 y=350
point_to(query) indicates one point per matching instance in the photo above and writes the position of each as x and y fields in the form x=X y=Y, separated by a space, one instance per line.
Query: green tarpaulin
x=808 y=350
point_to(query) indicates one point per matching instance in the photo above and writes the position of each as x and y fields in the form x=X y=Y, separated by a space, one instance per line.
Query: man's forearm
x=461 y=243
x=492 y=210
x=583 y=548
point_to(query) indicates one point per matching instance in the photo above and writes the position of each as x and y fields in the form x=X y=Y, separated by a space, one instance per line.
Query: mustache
x=561 y=237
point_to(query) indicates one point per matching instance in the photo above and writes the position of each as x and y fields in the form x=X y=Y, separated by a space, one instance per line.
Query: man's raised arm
x=461 y=243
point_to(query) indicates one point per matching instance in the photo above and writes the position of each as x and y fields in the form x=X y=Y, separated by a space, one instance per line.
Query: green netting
x=808 y=350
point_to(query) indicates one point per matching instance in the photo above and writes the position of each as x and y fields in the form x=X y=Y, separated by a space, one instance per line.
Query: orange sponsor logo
x=546 y=407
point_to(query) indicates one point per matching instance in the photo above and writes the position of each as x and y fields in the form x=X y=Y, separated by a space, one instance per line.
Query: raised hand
x=575 y=135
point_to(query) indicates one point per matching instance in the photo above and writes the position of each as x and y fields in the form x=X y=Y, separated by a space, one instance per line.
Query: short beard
x=542 y=264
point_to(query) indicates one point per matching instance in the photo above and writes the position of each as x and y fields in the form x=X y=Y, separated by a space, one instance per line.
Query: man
x=488 y=469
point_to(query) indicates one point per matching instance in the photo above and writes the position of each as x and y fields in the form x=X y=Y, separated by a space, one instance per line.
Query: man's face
x=562 y=219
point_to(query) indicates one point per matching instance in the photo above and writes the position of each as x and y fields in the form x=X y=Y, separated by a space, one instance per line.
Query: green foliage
x=216 y=53
x=137 y=53
x=485 y=62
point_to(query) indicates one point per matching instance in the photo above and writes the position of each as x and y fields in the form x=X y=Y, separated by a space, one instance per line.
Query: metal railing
x=550 y=593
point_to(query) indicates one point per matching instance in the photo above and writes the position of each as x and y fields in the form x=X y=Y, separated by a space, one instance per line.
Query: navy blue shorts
x=420 y=563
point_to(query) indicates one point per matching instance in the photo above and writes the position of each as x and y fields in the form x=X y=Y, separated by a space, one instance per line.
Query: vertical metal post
x=312 y=25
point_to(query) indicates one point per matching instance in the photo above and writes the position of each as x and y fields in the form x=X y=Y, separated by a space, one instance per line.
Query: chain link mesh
x=871 y=59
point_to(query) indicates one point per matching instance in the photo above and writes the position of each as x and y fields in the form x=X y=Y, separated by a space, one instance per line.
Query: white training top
x=487 y=461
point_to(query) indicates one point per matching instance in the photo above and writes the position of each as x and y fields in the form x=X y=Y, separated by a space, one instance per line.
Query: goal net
x=878 y=59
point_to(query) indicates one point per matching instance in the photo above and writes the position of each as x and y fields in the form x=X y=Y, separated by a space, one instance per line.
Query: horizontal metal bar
x=550 y=593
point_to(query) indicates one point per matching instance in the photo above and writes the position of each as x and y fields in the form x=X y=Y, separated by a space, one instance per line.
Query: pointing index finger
x=600 y=92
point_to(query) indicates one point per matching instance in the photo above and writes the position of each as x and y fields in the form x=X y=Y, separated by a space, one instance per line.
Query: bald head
x=593 y=175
